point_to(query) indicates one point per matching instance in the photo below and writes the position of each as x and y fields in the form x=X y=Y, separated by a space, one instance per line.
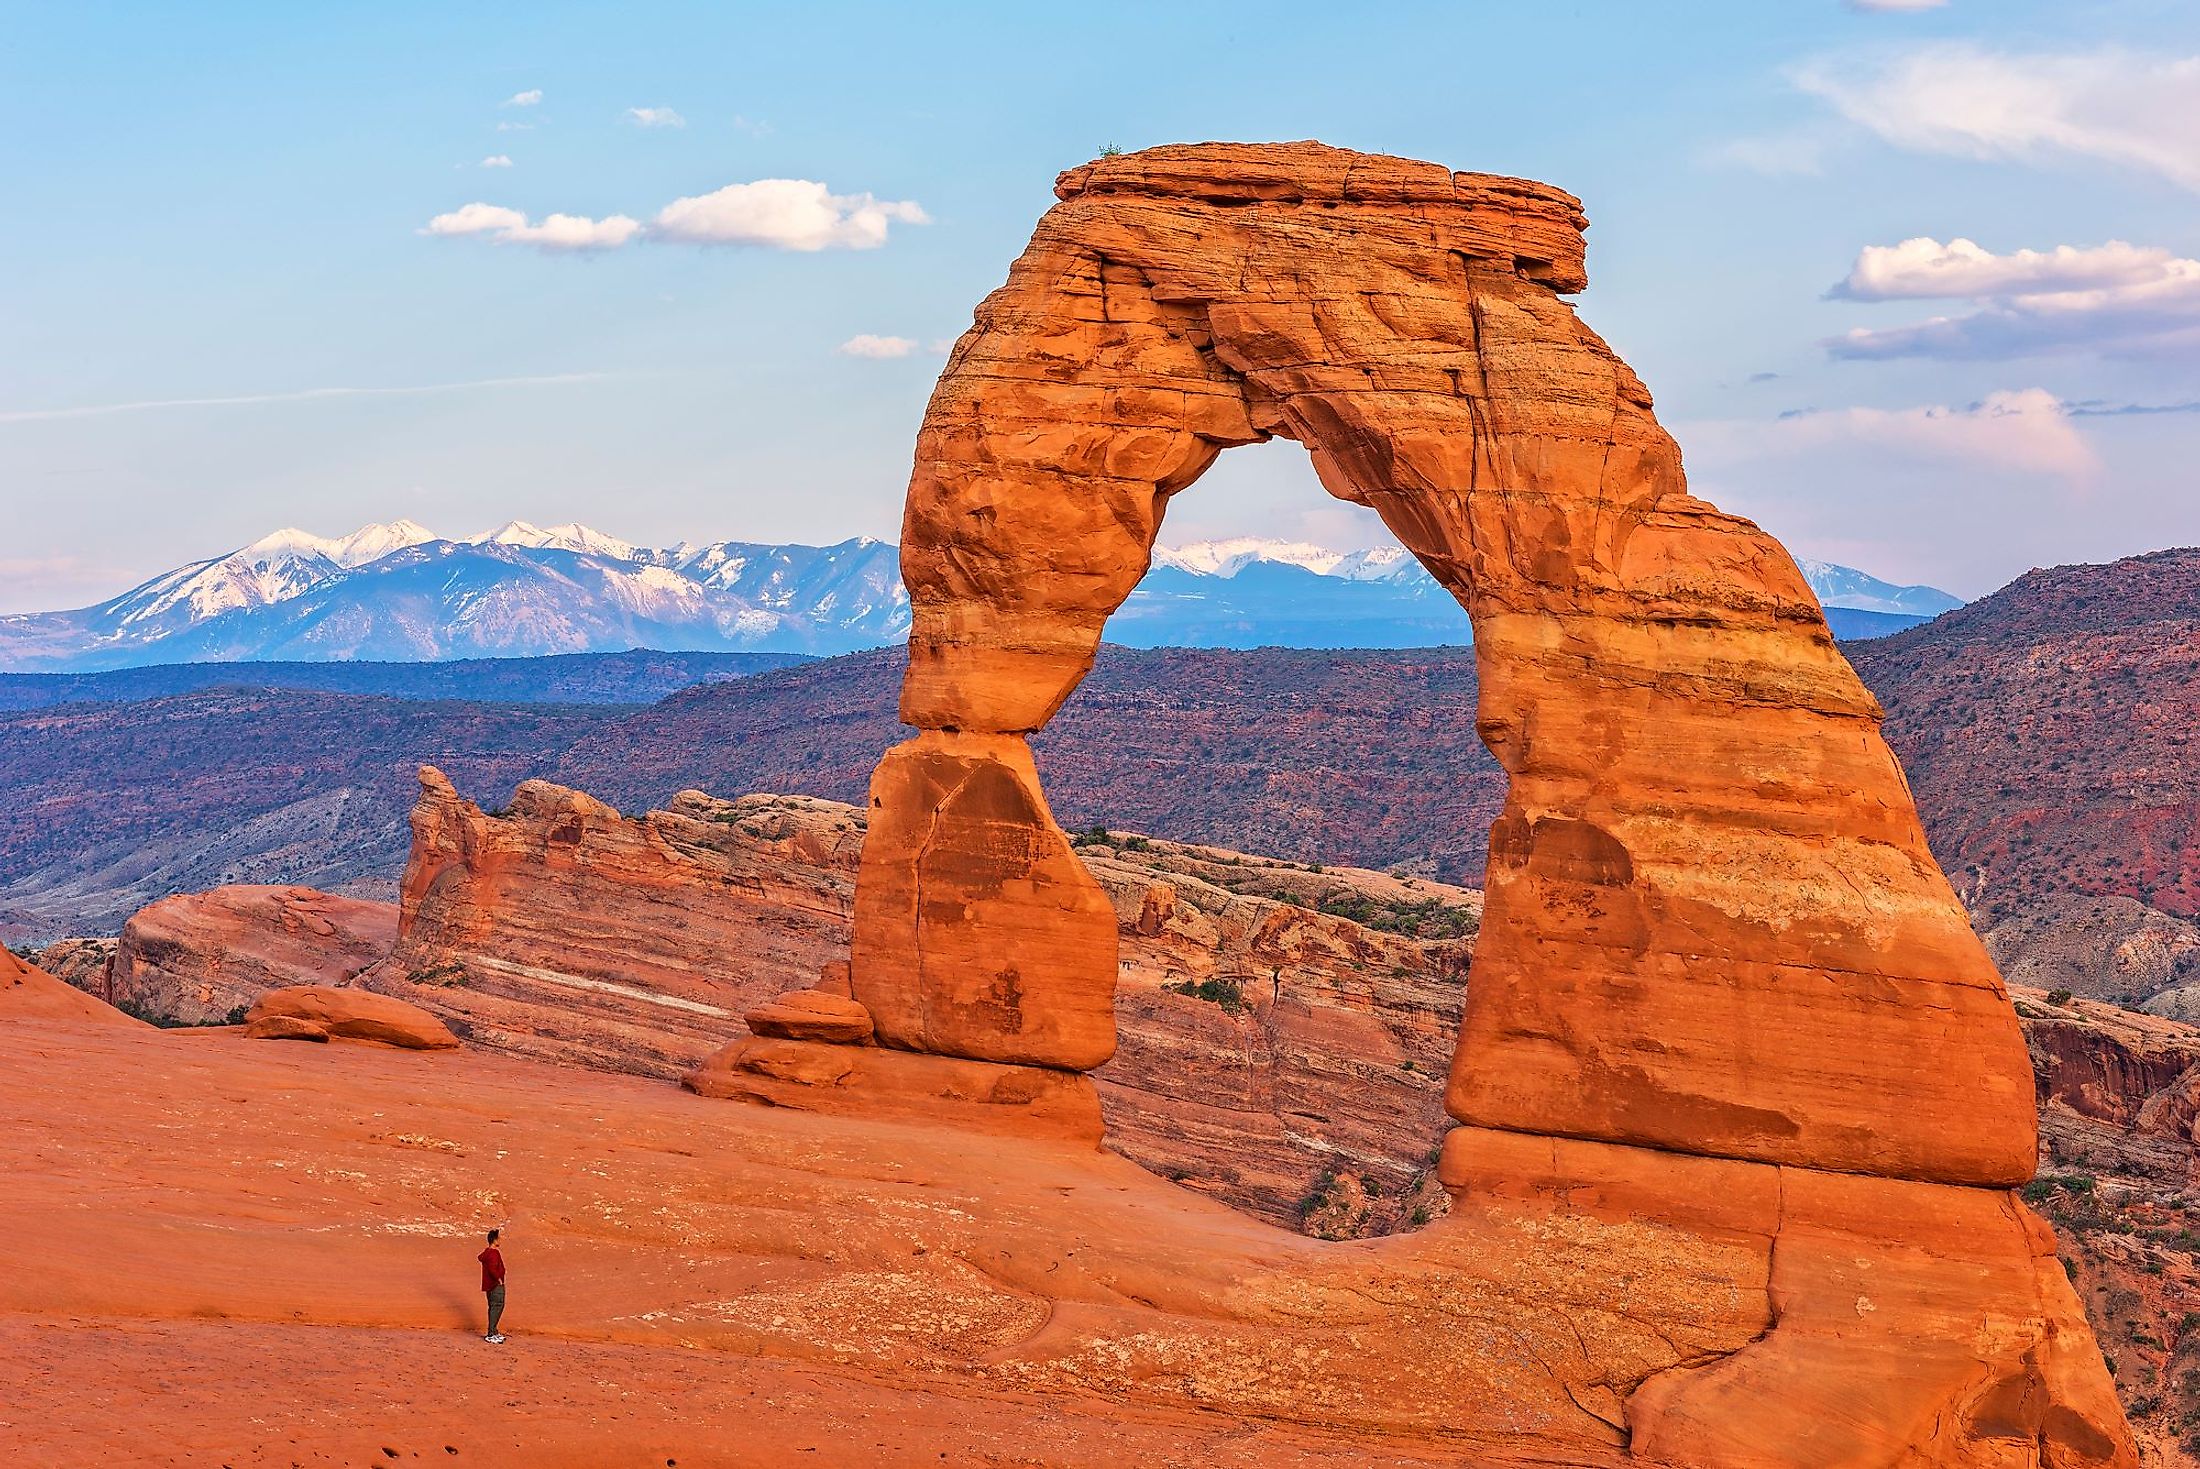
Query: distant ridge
x=400 y=593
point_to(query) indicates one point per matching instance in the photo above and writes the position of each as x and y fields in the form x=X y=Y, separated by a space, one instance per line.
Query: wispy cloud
x=528 y=98
x=863 y=344
x=497 y=160
x=655 y=117
x=1876 y=5
x=563 y=232
x=2104 y=408
x=777 y=214
x=302 y=395
x=2127 y=108
x=2027 y=431
x=1797 y=153
x=2116 y=297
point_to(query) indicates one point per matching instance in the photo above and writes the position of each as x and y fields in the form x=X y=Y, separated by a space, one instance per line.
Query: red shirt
x=492 y=1268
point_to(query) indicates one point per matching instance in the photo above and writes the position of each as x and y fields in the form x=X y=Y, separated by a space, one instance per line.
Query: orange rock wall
x=563 y=930
x=202 y=957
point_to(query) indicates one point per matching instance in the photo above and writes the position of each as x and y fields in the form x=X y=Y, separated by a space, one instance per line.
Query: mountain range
x=2047 y=731
x=401 y=593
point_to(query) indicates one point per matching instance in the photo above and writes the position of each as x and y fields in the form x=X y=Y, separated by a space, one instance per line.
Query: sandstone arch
x=1714 y=926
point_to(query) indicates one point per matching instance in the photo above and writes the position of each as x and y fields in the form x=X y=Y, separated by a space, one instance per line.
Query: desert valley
x=1536 y=951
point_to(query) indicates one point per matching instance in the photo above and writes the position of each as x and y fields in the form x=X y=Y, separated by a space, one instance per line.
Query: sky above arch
x=1916 y=285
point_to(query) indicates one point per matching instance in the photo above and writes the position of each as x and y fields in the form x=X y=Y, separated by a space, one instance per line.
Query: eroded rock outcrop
x=561 y=929
x=1279 y=1023
x=203 y=958
x=28 y=992
x=1717 y=957
x=324 y=1013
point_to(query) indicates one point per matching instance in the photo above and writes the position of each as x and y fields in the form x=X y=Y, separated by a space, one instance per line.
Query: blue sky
x=234 y=202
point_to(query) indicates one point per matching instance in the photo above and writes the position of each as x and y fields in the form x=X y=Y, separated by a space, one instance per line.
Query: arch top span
x=1713 y=924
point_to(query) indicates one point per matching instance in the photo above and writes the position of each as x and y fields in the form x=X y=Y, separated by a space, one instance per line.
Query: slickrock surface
x=30 y=993
x=1281 y=1024
x=321 y=1013
x=919 y=1293
x=199 y=958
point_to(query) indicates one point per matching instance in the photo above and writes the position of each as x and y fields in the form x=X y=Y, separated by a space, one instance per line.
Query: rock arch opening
x=1713 y=925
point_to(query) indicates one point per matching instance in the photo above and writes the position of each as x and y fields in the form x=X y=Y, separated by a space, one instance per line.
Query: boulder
x=319 y=1012
x=812 y=1015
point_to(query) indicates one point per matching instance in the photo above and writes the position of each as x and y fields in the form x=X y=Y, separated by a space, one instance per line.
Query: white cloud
x=1925 y=268
x=515 y=127
x=2116 y=297
x=785 y=214
x=2028 y=431
x=523 y=99
x=655 y=117
x=496 y=160
x=866 y=345
x=781 y=214
x=552 y=232
x=2127 y=108
x=1896 y=4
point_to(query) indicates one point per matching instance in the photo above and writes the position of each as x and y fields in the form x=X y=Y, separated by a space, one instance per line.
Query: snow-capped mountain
x=1228 y=558
x=1845 y=586
x=399 y=592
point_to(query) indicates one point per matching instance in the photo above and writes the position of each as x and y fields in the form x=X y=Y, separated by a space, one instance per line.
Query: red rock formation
x=1717 y=949
x=200 y=958
x=978 y=934
x=1270 y=1039
x=80 y=962
x=322 y=1013
x=561 y=929
x=30 y=993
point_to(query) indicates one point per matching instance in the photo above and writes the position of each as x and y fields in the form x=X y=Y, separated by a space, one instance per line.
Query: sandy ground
x=232 y=1252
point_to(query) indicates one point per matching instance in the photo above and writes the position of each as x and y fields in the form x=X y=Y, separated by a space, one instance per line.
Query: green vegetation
x=1221 y=990
x=1426 y=918
x=138 y=1011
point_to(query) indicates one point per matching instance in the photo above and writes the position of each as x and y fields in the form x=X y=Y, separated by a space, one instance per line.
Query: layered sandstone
x=560 y=929
x=1714 y=926
x=204 y=958
x=1718 y=961
x=1280 y=1023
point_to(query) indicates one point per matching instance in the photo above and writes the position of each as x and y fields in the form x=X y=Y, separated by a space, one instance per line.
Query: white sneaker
x=497 y=1340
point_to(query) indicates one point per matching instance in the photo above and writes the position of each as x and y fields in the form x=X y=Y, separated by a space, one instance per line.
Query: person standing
x=492 y=1285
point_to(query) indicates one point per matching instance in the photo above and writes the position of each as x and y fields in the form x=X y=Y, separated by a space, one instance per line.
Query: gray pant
x=496 y=1306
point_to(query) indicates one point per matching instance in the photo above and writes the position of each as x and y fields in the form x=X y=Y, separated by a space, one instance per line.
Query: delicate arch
x=1713 y=924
